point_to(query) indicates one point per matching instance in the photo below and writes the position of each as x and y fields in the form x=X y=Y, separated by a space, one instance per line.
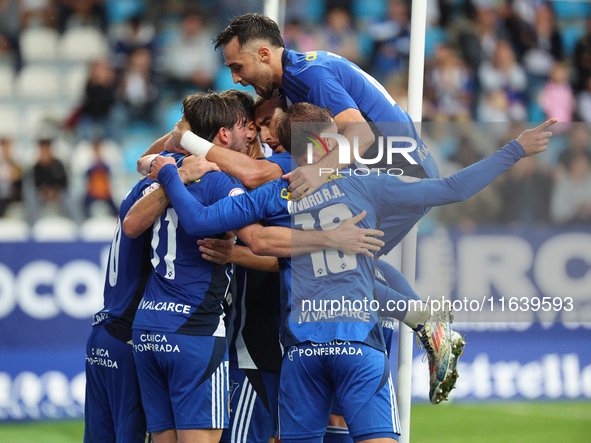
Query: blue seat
x=535 y=112
x=433 y=37
x=170 y=115
x=308 y=11
x=569 y=10
x=121 y=10
x=570 y=36
x=369 y=9
x=223 y=81
x=132 y=150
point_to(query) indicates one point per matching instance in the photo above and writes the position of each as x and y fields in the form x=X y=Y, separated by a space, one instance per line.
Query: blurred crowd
x=86 y=85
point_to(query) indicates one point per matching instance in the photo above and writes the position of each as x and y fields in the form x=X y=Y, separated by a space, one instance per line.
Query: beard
x=266 y=86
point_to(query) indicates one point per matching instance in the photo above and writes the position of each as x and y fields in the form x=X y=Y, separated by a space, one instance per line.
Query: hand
x=217 y=250
x=305 y=180
x=157 y=165
x=195 y=167
x=536 y=140
x=177 y=133
x=144 y=164
x=350 y=239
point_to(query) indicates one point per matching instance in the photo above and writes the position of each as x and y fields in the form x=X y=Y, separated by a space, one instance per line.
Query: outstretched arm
x=467 y=182
x=231 y=214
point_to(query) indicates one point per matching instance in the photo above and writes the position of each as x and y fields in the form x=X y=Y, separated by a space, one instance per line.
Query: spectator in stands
x=525 y=193
x=505 y=74
x=11 y=177
x=582 y=59
x=50 y=177
x=451 y=85
x=483 y=207
x=297 y=38
x=544 y=46
x=519 y=17
x=137 y=90
x=579 y=144
x=73 y=13
x=339 y=36
x=557 y=98
x=189 y=60
x=9 y=33
x=130 y=36
x=478 y=41
x=99 y=98
x=494 y=107
x=571 y=198
x=391 y=39
x=98 y=187
x=36 y=13
x=584 y=102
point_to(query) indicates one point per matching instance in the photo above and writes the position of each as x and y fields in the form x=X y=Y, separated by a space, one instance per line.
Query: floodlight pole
x=418 y=25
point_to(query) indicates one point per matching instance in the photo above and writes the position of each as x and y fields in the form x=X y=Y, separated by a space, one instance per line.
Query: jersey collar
x=285 y=60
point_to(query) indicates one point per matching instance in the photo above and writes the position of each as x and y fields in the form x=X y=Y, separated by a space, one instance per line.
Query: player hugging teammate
x=177 y=252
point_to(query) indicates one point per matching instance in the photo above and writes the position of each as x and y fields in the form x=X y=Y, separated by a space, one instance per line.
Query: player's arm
x=331 y=93
x=144 y=212
x=227 y=214
x=147 y=209
x=224 y=251
x=467 y=182
x=285 y=242
x=252 y=173
x=156 y=147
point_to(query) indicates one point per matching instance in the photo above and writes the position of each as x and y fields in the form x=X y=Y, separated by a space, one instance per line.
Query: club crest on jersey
x=151 y=188
x=236 y=191
x=285 y=194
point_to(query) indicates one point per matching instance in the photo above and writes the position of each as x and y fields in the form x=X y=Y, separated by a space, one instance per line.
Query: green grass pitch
x=566 y=422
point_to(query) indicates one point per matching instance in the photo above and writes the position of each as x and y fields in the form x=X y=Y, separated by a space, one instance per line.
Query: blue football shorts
x=183 y=379
x=254 y=396
x=113 y=409
x=357 y=375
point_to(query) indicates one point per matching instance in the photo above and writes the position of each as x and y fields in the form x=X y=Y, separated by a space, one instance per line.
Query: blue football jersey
x=284 y=160
x=128 y=269
x=330 y=275
x=329 y=80
x=185 y=292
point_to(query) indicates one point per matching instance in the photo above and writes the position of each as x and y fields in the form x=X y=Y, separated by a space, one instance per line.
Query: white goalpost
x=275 y=9
x=418 y=25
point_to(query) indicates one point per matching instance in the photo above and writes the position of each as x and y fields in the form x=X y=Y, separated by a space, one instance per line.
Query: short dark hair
x=260 y=100
x=313 y=119
x=207 y=112
x=244 y=98
x=250 y=27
